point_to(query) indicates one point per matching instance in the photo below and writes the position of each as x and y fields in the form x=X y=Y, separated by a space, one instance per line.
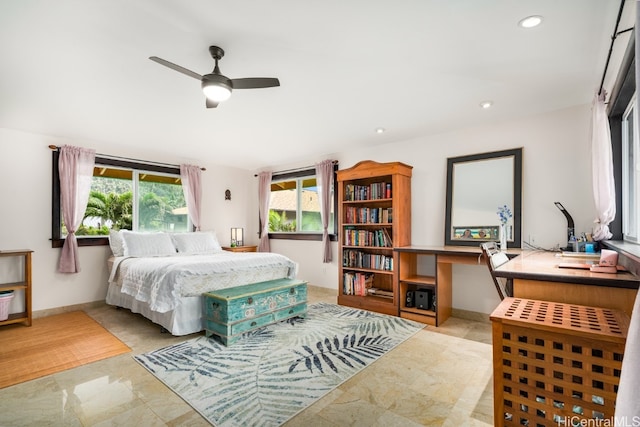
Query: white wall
x=25 y=215
x=556 y=167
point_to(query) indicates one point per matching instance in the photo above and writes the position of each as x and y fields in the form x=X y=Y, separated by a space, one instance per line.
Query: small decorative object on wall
x=504 y=213
x=237 y=237
x=227 y=195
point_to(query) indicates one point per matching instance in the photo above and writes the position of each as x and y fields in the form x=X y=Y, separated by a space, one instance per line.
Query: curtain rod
x=335 y=162
x=55 y=147
x=613 y=39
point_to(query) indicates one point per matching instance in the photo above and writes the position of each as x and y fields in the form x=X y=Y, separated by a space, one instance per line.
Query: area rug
x=53 y=344
x=271 y=374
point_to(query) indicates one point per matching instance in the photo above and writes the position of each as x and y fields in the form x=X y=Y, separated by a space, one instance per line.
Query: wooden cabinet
x=22 y=285
x=424 y=278
x=374 y=215
x=240 y=248
x=429 y=269
x=556 y=363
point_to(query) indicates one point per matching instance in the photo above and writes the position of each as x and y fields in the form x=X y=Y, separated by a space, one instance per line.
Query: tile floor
x=439 y=377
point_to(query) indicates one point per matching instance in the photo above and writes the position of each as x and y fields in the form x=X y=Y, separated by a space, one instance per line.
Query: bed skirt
x=185 y=319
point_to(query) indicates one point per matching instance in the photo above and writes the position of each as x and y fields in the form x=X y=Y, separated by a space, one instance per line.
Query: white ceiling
x=79 y=69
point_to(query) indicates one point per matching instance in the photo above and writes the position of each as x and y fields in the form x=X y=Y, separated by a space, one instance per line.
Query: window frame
x=57 y=240
x=307 y=235
x=621 y=95
x=630 y=212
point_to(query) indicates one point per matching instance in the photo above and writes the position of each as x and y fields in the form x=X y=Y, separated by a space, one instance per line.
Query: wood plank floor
x=53 y=344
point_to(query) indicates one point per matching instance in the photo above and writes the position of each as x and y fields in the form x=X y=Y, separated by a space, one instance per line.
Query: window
x=623 y=122
x=124 y=195
x=294 y=207
x=630 y=211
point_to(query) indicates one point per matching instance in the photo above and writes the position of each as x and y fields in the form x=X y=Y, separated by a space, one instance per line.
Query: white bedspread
x=161 y=281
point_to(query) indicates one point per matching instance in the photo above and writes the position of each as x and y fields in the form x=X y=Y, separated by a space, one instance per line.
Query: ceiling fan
x=216 y=86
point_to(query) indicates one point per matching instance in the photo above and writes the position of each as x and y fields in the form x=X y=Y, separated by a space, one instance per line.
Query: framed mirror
x=478 y=186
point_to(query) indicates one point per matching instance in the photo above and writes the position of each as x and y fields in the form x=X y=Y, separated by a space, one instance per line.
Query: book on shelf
x=355 y=258
x=368 y=215
x=388 y=241
x=380 y=292
x=357 y=237
x=374 y=191
x=356 y=283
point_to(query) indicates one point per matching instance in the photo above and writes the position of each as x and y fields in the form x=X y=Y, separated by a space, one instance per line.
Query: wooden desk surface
x=452 y=250
x=543 y=266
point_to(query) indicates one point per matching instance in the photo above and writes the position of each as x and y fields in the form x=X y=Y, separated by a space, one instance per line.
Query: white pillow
x=116 y=243
x=147 y=244
x=196 y=243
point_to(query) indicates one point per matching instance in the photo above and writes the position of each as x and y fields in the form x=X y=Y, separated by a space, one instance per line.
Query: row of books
x=358 y=259
x=355 y=215
x=375 y=191
x=356 y=283
x=355 y=237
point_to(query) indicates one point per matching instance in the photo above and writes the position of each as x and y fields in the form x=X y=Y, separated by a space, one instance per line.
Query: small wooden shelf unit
x=412 y=261
x=374 y=215
x=24 y=285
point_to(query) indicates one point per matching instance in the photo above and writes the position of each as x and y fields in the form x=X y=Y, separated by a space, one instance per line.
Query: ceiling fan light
x=216 y=92
x=216 y=87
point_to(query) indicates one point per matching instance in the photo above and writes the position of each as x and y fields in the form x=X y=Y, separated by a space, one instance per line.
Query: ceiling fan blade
x=255 y=82
x=176 y=67
x=211 y=104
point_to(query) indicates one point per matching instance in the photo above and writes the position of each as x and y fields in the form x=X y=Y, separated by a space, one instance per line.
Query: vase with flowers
x=504 y=213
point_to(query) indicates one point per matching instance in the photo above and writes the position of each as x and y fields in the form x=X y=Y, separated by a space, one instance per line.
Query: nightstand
x=248 y=248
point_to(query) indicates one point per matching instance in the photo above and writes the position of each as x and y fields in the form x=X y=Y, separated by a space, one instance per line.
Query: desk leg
x=444 y=294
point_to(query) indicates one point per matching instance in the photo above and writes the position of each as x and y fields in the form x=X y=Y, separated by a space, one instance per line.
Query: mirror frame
x=516 y=153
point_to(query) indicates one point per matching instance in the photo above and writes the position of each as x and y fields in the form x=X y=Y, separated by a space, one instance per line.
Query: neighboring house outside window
x=294 y=207
x=125 y=195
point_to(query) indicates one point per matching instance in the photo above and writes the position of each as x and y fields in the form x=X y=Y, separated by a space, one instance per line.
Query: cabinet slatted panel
x=555 y=363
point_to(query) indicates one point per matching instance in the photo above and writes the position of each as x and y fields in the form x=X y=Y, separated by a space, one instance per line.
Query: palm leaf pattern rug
x=271 y=374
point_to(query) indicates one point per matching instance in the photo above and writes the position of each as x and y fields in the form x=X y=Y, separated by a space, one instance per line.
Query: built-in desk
x=537 y=275
x=435 y=289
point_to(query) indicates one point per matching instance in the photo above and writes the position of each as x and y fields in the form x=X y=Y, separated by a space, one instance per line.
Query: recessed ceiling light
x=380 y=130
x=530 y=21
x=486 y=104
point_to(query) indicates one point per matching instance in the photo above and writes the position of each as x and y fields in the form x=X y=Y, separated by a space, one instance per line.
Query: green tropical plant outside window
x=160 y=203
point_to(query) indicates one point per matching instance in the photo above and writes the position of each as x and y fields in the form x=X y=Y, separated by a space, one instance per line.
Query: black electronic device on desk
x=571 y=236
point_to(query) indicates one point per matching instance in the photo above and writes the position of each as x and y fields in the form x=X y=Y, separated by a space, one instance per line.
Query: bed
x=162 y=276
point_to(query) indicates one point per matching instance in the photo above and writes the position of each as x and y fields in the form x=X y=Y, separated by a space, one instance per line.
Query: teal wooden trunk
x=228 y=313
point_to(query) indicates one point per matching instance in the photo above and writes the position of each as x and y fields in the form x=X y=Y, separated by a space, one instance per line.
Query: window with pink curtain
x=75 y=167
x=324 y=174
x=264 y=192
x=192 y=188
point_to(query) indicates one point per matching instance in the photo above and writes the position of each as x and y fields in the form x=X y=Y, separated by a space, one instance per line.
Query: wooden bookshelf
x=374 y=215
x=23 y=285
